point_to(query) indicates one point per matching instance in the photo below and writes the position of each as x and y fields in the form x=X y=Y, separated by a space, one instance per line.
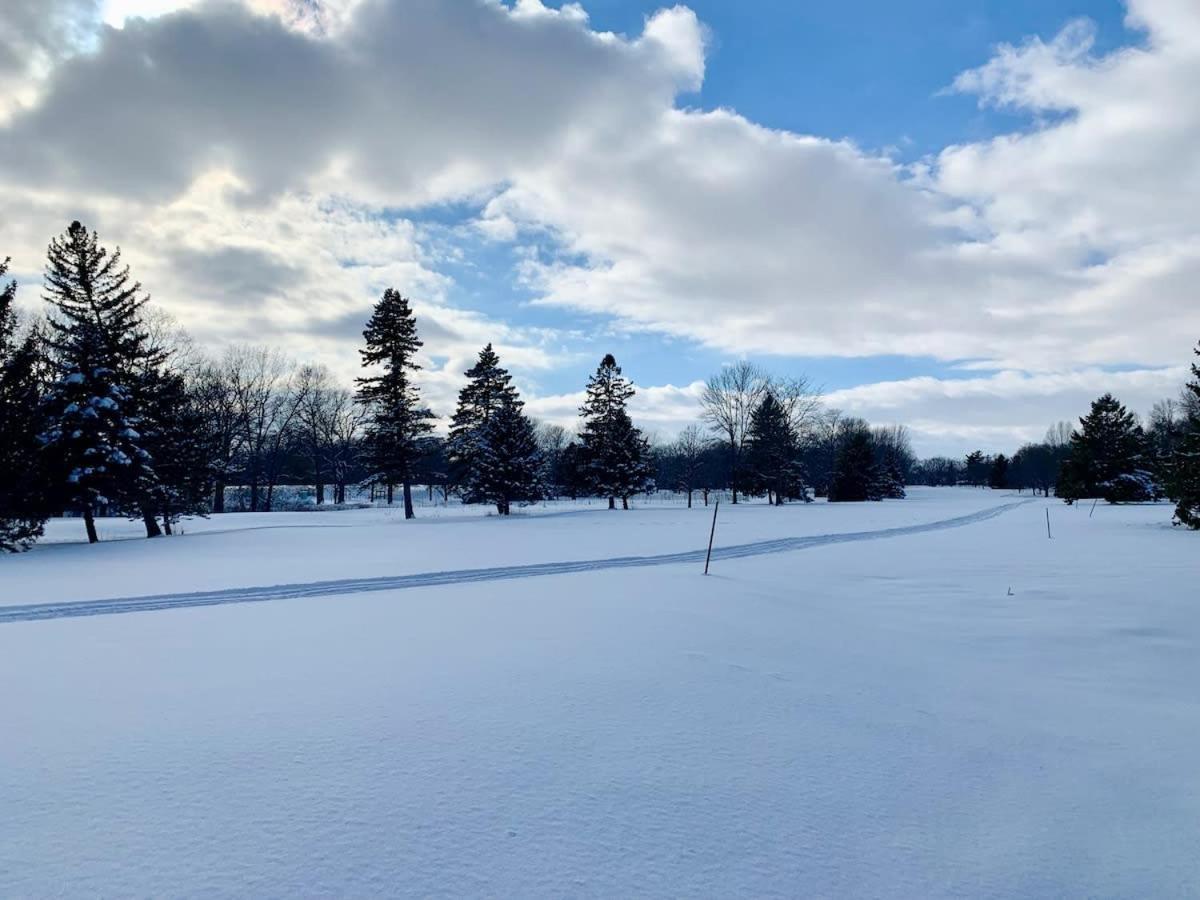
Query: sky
x=968 y=216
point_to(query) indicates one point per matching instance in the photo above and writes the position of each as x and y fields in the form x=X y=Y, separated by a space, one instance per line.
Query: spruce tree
x=1106 y=456
x=772 y=464
x=183 y=445
x=25 y=485
x=99 y=346
x=488 y=388
x=855 y=474
x=614 y=454
x=890 y=475
x=1185 y=466
x=998 y=478
x=506 y=461
x=397 y=423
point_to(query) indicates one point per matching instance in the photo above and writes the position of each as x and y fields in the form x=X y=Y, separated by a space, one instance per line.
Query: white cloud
x=1002 y=410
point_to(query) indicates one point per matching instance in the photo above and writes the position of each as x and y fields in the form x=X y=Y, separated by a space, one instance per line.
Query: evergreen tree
x=398 y=424
x=615 y=456
x=1185 y=466
x=506 y=461
x=772 y=457
x=890 y=467
x=1106 y=456
x=99 y=346
x=182 y=444
x=488 y=389
x=998 y=477
x=977 y=468
x=855 y=474
x=25 y=487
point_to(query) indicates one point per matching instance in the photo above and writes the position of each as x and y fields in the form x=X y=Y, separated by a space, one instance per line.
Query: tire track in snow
x=34 y=612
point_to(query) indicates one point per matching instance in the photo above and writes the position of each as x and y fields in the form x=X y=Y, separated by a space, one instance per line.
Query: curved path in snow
x=70 y=609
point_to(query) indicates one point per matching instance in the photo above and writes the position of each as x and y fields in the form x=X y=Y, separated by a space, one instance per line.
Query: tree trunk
x=89 y=522
x=612 y=502
x=689 y=499
x=320 y=494
x=408 y=507
x=254 y=494
x=218 y=505
x=706 y=496
x=167 y=523
x=270 y=494
x=624 y=503
x=151 y=523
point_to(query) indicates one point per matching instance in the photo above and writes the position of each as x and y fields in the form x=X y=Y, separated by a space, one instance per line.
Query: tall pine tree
x=99 y=346
x=25 y=486
x=614 y=455
x=488 y=389
x=1185 y=465
x=397 y=424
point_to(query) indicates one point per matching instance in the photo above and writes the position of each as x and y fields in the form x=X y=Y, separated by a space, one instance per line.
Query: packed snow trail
x=71 y=609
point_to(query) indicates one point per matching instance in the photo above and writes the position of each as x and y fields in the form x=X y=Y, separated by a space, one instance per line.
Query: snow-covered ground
x=963 y=710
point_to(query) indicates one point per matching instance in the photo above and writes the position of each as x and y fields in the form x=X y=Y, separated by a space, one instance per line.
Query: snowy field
x=909 y=699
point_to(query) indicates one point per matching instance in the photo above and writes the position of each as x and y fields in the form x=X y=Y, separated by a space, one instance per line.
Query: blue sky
x=870 y=71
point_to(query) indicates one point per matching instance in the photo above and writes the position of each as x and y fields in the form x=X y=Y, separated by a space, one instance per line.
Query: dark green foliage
x=507 y=464
x=1107 y=456
x=1184 y=484
x=99 y=347
x=772 y=459
x=25 y=486
x=855 y=474
x=615 y=457
x=998 y=477
x=397 y=422
x=977 y=468
x=488 y=388
x=182 y=443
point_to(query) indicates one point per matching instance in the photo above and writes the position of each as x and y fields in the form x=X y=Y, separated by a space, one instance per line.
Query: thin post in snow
x=1093 y=509
x=1048 y=534
x=711 y=535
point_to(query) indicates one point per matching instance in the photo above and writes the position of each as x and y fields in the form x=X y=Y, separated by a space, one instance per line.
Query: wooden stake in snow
x=711 y=535
x=1048 y=534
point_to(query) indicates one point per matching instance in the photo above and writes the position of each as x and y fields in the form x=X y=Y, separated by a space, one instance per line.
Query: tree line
x=1111 y=456
x=107 y=408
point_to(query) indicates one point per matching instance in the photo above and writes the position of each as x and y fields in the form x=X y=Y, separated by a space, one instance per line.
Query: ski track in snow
x=78 y=608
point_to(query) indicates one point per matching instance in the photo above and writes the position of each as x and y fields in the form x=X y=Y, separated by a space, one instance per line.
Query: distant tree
x=855 y=475
x=553 y=441
x=507 y=464
x=1184 y=482
x=977 y=467
x=614 y=453
x=1106 y=456
x=397 y=423
x=100 y=346
x=26 y=489
x=819 y=450
x=893 y=459
x=772 y=459
x=488 y=388
x=729 y=400
x=177 y=438
x=318 y=403
x=691 y=454
x=268 y=393
x=998 y=477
